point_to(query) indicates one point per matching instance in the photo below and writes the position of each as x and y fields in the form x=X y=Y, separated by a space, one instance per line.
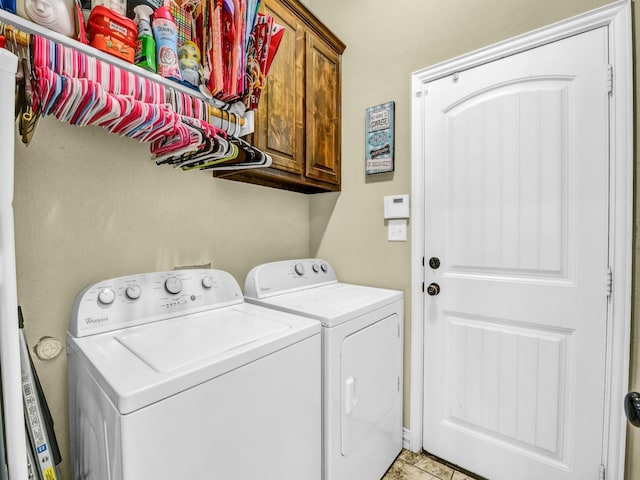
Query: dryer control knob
x=324 y=267
x=133 y=292
x=207 y=282
x=173 y=285
x=299 y=268
x=316 y=268
x=106 y=296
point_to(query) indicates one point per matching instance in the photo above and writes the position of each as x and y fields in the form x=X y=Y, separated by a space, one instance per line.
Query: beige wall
x=385 y=43
x=91 y=206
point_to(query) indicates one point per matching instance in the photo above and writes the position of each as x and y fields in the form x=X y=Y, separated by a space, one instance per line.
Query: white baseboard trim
x=406 y=438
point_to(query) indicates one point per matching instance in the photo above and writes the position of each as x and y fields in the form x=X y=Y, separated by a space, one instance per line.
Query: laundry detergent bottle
x=145 y=44
x=165 y=32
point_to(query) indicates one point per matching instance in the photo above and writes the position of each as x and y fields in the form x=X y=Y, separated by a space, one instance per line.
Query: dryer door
x=371 y=369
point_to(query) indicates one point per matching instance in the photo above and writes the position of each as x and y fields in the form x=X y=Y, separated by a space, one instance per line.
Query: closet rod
x=226 y=116
x=12 y=34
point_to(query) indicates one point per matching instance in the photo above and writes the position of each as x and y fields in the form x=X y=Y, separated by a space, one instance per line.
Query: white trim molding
x=617 y=18
x=406 y=438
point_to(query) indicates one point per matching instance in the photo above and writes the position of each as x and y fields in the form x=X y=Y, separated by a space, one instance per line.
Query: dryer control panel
x=136 y=299
x=277 y=278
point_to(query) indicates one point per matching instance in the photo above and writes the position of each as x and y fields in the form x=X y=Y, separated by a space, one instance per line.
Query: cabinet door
x=323 y=111
x=280 y=117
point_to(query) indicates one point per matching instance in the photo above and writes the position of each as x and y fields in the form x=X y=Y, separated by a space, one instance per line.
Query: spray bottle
x=145 y=45
x=165 y=32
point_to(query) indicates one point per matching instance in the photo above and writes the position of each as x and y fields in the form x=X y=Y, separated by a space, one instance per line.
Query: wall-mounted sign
x=379 y=147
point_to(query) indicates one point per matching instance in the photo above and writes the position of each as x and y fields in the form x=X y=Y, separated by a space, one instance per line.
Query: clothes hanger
x=82 y=90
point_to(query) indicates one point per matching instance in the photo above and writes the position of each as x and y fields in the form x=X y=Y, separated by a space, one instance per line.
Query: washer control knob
x=106 y=296
x=324 y=267
x=133 y=292
x=173 y=285
x=207 y=282
x=299 y=268
x=316 y=268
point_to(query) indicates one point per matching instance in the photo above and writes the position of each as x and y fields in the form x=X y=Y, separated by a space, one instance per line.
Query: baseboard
x=406 y=438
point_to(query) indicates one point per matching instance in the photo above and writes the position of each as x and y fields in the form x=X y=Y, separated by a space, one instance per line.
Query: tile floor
x=416 y=466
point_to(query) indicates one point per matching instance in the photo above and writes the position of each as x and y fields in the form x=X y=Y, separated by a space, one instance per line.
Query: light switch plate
x=398 y=230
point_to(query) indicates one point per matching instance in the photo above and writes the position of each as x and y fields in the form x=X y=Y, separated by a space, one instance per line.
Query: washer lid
x=141 y=365
x=332 y=304
x=174 y=345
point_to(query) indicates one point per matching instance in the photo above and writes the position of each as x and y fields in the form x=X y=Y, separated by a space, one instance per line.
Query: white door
x=516 y=191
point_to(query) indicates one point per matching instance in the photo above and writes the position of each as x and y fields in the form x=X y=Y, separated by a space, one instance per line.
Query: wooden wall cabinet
x=298 y=121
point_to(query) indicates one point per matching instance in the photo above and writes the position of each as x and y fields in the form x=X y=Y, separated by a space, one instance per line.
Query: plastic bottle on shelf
x=57 y=15
x=132 y=4
x=189 y=61
x=9 y=5
x=145 y=44
x=119 y=6
x=165 y=32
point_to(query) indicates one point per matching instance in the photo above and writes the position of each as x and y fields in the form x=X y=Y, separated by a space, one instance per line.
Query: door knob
x=632 y=408
x=433 y=289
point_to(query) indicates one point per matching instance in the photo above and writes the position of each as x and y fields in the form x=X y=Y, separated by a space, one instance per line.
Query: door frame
x=617 y=17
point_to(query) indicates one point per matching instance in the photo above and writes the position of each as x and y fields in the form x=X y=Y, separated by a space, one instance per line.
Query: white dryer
x=173 y=376
x=362 y=360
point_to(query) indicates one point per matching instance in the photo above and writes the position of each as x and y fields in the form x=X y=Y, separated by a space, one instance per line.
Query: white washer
x=362 y=360
x=173 y=376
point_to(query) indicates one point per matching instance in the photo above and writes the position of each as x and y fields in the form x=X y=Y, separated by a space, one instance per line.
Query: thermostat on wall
x=396 y=206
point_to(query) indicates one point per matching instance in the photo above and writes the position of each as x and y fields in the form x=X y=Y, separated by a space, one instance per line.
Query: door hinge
x=609 y=282
x=602 y=473
x=610 y=79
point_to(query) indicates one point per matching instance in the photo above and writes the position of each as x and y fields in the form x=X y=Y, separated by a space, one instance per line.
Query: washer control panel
x=128 y=301
x=283 y=277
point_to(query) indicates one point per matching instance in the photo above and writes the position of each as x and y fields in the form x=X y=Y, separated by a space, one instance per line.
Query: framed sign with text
x=379 y=133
